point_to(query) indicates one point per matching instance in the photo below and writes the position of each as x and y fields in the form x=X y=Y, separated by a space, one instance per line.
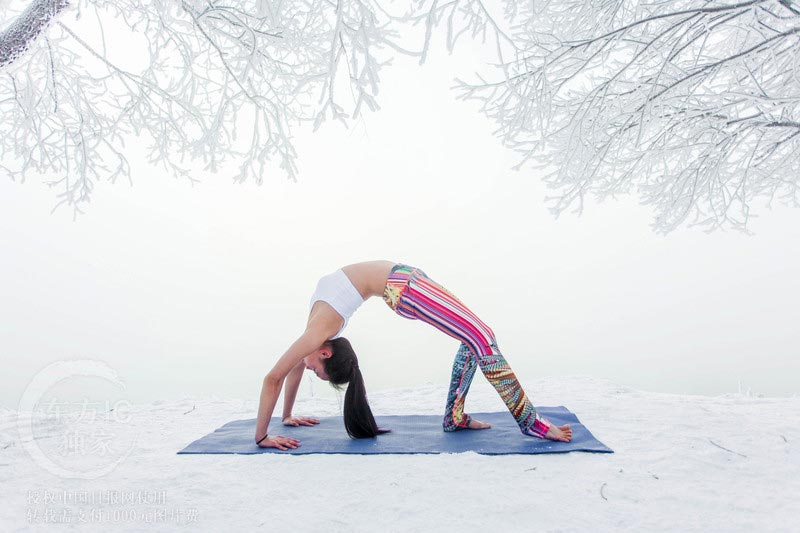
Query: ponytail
x=358 y=419
x=342 y=367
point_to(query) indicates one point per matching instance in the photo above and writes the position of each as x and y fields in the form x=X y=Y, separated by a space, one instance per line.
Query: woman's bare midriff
x=369 y=277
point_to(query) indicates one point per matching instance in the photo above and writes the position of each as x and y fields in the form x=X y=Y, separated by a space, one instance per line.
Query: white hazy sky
x=197 y=290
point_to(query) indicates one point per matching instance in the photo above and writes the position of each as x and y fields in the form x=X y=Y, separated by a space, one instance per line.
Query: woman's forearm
x=291 y=385
x=309 y=341
x=270 y=390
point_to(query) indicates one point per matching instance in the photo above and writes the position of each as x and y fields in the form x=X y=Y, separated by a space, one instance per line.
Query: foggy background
x=197 y=290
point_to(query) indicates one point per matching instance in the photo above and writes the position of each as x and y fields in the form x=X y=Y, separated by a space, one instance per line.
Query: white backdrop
x=198 y=290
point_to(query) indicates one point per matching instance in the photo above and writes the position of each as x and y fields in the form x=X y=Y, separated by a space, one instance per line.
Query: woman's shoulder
x=324 y=318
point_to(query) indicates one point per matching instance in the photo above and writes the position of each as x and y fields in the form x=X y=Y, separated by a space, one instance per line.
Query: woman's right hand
x=299 y=421
x=282 y=443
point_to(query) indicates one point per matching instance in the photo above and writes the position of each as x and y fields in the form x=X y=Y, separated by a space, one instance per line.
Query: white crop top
x=339 y=292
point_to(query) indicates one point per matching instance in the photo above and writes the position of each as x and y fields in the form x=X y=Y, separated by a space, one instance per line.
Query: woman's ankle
x=450 y=424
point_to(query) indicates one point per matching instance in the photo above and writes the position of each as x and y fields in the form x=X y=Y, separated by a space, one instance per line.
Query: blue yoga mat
x=410 y=434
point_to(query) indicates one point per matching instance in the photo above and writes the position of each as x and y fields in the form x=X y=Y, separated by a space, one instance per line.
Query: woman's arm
x=273 y=381
x=290 y=393
x=292 y=384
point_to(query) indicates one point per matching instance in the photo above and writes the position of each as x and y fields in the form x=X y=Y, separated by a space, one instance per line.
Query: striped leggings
x=411 y=294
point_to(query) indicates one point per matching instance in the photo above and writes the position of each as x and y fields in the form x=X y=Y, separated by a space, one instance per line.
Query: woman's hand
x=276 y=441
x=299 y=421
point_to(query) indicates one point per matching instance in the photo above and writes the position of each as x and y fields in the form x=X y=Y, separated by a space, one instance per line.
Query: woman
x=411 y=294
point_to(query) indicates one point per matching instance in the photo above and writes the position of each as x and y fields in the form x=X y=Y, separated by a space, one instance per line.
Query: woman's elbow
x=272 y=379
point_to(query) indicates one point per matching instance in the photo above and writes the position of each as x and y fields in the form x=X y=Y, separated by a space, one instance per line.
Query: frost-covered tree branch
x=691 y=104
x=16 y=38
x=215 y=80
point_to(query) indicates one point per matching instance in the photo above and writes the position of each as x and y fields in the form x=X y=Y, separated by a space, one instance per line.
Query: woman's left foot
x=562 y=433
x=477 y=424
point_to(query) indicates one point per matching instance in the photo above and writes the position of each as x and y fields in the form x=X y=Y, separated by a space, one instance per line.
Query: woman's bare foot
x=562 y=433
x=477 y=424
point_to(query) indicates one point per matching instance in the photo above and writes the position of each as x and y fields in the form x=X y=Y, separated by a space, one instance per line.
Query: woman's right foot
x=477 y=424
x=472 y=424
x=560 y=433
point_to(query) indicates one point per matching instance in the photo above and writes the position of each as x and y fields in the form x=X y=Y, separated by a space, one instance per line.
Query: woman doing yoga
x=412 y=294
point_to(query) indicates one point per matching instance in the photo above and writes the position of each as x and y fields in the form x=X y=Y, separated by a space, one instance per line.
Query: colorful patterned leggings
x=411 y=294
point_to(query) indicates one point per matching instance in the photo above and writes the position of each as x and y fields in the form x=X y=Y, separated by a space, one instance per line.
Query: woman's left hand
x=299 y=421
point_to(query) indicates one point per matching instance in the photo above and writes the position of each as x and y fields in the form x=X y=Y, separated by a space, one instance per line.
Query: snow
x=682 y=463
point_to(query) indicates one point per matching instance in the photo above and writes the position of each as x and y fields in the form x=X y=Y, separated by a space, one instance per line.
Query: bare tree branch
x=220 y=81
x=691 y=105
x=16 y=38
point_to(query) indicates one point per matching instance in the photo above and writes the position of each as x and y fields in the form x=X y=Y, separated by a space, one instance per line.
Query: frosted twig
x=216 y=81
x=693 y=108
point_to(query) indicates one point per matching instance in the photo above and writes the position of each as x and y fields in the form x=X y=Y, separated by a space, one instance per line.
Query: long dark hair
x=342 y=367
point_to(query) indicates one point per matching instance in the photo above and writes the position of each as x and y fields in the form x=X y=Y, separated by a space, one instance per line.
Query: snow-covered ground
x=682 y=463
